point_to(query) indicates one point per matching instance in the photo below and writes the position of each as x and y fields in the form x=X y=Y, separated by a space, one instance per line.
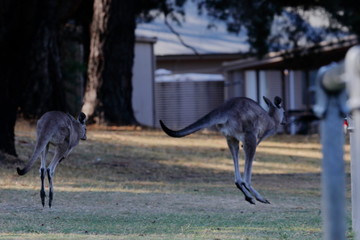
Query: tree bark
x=108 y=96
x=29 y=63
x=12 y=47
x=44 y=90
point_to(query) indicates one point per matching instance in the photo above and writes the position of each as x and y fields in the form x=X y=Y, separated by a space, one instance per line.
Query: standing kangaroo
x=64 y=132
x=240 y=119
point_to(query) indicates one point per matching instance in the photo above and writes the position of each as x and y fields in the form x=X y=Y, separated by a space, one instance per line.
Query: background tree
x=29 y=57
x=31 y=69
x=109 y=90
x=30 y=63
x=108 y=96
x=10 y=83
x=257 y=19
x=109 y=86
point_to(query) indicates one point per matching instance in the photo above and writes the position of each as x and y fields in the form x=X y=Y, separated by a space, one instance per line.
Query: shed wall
x=179 y=104
x=143 y=84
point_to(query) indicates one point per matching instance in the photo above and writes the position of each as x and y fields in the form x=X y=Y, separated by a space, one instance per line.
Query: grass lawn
x=127 y=183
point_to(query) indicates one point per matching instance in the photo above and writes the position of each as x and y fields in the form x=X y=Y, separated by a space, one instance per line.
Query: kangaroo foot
x=42 y=196
x=257 y=195
x=246 y=192
x=263 y=201
x=50 y=198
x=250 y=200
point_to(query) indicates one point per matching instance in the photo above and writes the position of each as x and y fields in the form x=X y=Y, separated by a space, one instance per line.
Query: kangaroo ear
x=277 y=101
x=267 y=101
x=82 y=118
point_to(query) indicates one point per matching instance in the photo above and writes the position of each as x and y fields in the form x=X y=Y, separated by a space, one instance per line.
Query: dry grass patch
x=140 y=184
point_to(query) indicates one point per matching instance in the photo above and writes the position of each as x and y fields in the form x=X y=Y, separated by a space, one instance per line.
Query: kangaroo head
x=81 y=120
x=276 y=111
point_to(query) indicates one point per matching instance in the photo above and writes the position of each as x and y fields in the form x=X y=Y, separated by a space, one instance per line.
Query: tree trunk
x=44 y=90
x=12 y=47
x=108 y=96
x=29 y=59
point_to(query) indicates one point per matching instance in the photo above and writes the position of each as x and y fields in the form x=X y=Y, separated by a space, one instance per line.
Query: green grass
x=141 y=184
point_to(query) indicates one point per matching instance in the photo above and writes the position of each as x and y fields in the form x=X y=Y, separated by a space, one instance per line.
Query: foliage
x=173 y=8
x=258 y=19
x=31 y=76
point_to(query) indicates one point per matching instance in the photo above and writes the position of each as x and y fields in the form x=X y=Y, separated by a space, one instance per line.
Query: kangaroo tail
x=31 y=162
x=22 y=171
x=39 y=147
x=208 y=120
x=28 y=166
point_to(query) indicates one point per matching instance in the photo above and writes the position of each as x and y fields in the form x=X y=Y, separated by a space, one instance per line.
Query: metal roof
x=305 y=58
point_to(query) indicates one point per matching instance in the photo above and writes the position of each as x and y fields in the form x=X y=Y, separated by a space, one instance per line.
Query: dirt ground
x=132 y=183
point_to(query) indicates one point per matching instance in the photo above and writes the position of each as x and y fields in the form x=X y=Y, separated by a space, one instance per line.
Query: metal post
x=355 y=179
x=352 y=76
x=331 y=107
x=333 y=174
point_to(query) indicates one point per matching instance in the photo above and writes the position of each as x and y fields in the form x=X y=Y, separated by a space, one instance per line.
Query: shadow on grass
x=145 y=185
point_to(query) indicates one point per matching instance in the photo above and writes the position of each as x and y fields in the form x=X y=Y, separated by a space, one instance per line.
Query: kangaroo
x=64 y=132
x=240 y=119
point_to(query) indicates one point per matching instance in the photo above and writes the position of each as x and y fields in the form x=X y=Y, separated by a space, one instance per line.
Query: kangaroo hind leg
x=42 y=174
x=60 y=153
x=233 y=144
x=250 y=149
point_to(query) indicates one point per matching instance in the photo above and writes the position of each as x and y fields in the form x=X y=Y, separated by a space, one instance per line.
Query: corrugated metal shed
x=181 y=99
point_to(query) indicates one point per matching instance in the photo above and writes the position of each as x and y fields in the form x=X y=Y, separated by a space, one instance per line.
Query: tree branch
x=179 y=36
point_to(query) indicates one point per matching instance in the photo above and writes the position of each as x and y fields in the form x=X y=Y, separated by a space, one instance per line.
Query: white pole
x=333 y=174
x=352 y=75
x=355 y=179
x=330 y=107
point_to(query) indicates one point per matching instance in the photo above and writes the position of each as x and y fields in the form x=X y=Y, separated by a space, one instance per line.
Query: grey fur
x=64 y=132
x=240 y=119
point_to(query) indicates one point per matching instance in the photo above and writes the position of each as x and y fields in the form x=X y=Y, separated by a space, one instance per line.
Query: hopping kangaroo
x=240 y=119
x=64 y=132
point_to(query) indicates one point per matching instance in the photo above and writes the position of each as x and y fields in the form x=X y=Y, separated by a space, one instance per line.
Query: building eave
x=143 y=39
x=312 y=56
x=214 y=56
